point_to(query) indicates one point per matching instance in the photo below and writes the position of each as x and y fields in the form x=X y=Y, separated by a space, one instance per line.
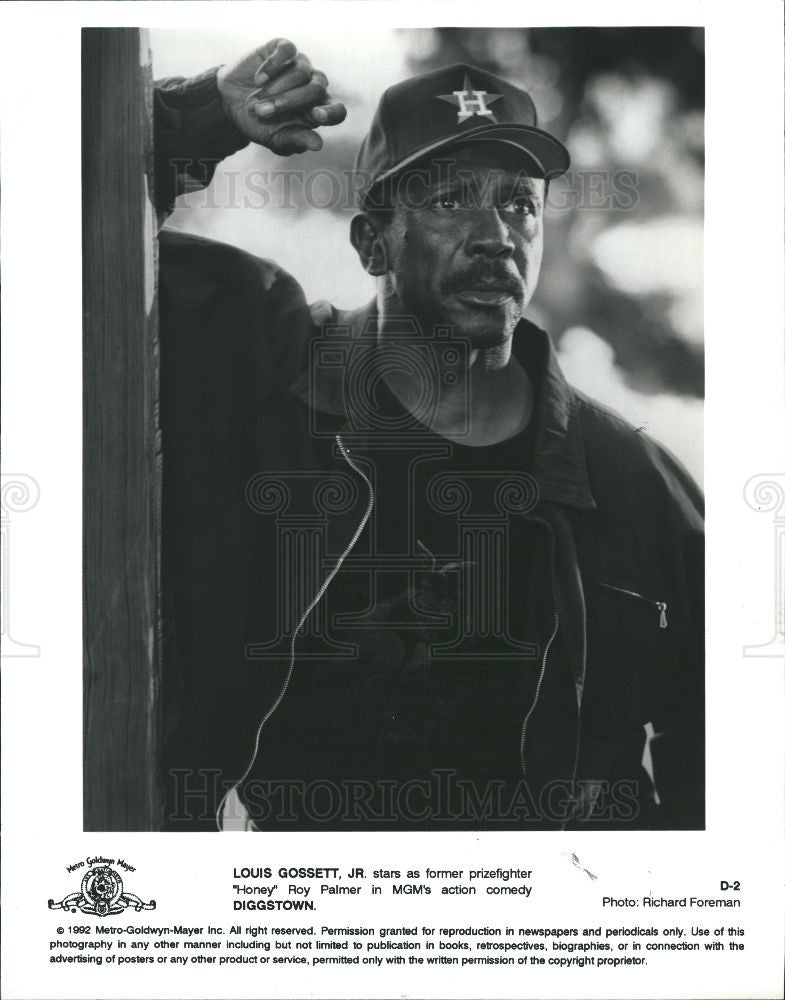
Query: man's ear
x=367 y=236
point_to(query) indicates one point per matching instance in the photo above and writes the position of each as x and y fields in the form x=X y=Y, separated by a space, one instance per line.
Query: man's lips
x=489 y=290
x=491 y=295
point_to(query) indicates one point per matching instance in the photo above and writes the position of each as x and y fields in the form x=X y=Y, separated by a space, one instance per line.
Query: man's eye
x=448 y=202
x=519 y=206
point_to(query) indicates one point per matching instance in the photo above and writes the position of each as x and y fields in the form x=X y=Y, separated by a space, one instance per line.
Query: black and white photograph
x=393 y=468
x=429 y=318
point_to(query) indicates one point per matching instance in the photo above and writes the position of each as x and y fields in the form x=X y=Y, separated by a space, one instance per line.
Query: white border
x=745 y=427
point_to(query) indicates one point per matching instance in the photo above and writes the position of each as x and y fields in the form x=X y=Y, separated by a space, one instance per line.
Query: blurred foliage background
x=621 y=291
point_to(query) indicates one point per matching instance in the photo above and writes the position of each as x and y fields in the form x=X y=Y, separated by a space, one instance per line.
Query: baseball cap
x=450 y=106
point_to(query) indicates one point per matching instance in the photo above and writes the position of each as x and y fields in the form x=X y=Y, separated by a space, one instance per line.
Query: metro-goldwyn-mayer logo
x=102 y=891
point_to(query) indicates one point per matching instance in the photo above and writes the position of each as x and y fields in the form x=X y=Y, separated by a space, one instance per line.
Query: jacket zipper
x=548 y=645
x=319 y=594
x=661 y=606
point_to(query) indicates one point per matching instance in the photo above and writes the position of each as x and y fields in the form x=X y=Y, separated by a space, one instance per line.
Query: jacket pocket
x=658 y=606
x=634 y=636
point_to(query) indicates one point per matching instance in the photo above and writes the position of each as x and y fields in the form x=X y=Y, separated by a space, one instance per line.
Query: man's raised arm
x=272 y=96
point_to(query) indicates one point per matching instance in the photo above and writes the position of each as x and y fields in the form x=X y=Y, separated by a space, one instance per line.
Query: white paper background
x=190 y=875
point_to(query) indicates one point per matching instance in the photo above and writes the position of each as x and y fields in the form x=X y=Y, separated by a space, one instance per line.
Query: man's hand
x=276 y=98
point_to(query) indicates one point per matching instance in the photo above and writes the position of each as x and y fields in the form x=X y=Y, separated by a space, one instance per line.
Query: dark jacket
x=252 y=431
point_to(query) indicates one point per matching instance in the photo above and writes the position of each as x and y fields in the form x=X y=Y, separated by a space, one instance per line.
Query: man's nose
x=489 y=235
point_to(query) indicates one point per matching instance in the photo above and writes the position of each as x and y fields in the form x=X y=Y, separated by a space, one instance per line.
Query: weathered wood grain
x=121 y=447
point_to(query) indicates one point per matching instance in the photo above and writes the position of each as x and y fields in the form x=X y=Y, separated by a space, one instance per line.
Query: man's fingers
x=293 y=101
x=283 y=53
x=328 y=114
x=294 y=139
x=297 y=74
x=290 y=99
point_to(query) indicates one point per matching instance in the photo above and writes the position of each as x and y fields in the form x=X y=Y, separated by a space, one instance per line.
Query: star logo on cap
x=470 y=102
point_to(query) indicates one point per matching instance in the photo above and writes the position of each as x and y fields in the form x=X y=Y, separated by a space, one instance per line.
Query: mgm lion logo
x=102 y=894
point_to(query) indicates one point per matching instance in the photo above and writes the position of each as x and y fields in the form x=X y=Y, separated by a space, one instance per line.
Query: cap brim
x=549 y=155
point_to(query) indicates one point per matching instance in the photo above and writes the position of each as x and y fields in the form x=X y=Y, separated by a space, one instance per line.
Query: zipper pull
x=663 y=619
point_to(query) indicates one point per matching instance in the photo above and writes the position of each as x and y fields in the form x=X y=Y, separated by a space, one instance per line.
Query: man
x=412 y=579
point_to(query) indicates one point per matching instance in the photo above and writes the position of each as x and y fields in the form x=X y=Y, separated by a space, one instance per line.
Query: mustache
x=497 y=277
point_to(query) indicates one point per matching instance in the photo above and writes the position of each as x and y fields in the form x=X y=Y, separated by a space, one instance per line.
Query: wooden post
x=121 y=485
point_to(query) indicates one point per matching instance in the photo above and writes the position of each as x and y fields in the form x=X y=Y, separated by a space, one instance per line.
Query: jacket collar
x=559 y=463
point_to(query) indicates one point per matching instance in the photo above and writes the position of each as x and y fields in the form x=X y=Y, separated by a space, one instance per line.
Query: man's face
x=464 y=244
